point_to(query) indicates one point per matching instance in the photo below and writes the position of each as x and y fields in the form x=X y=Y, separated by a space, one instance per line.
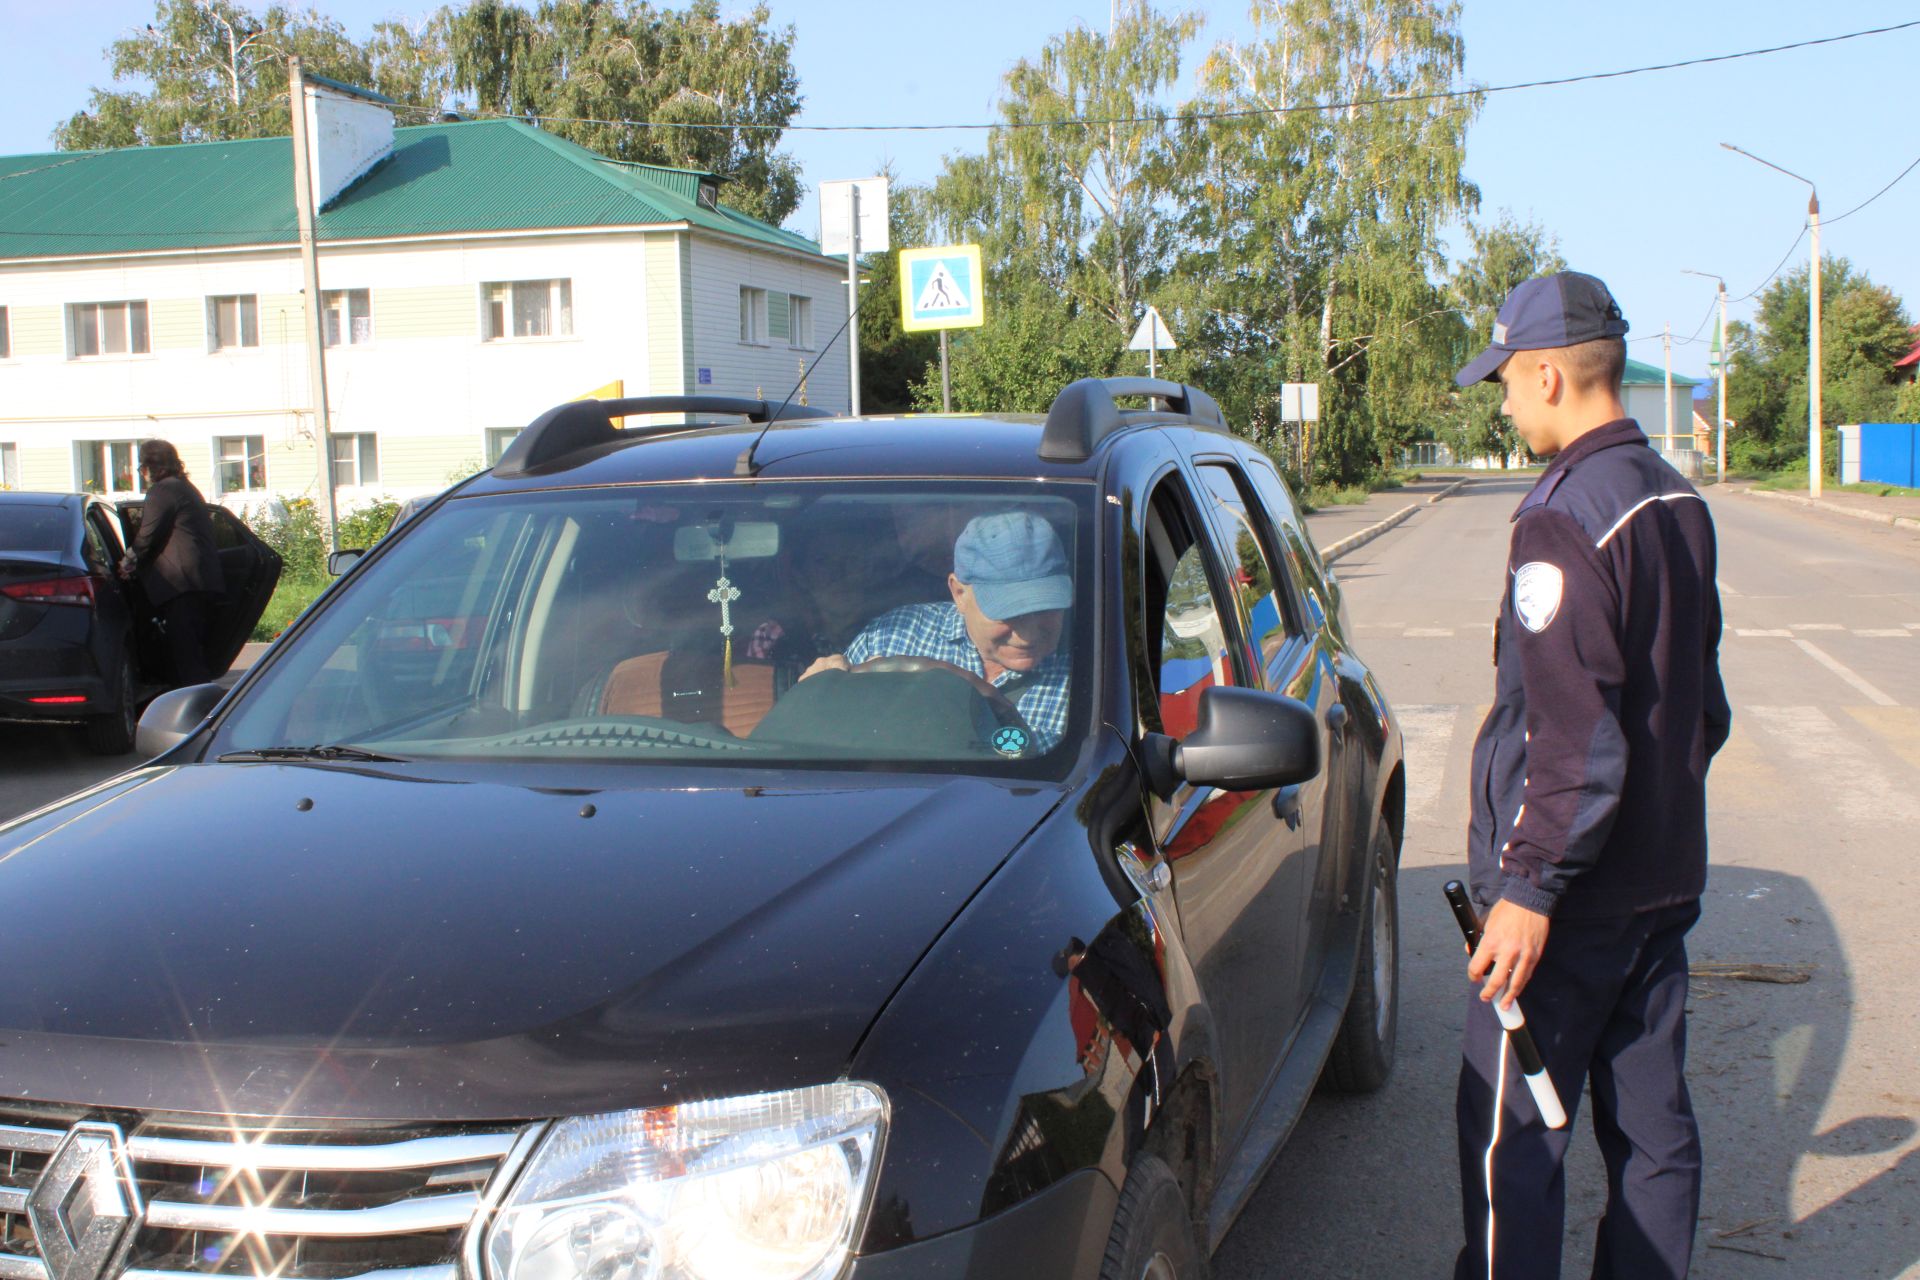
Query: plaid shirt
x=938 y=631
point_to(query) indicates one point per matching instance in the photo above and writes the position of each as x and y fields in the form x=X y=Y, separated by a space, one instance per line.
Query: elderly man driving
x=1011 y=590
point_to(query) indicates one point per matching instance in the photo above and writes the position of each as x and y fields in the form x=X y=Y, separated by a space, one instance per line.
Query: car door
x=249 y=568
x=1234 y=856
x=1292 y=660
x=114 y=624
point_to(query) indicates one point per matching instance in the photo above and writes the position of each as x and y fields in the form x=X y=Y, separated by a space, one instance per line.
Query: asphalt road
x=1807 y=1093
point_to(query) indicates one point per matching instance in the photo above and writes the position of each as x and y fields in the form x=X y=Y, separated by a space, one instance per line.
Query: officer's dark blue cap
x=1560 y=310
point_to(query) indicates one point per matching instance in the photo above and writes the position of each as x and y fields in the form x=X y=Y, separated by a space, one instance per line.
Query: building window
x=9 y=466
x=753 y=314
x=108 y=466
x=107 y=329
x=349 y=316
x=6 y=336
x=233 y=321
x=240 y=465
x=528 y=309
x=802 y=322
x=498 y=438
x=355 y=460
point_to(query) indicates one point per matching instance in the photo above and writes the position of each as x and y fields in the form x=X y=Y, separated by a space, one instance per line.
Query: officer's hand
x=1511 y=941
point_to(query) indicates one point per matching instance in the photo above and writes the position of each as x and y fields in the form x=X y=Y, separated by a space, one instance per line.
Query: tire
x=1153 y=1238
x=112 y=734
x=1362 y=1056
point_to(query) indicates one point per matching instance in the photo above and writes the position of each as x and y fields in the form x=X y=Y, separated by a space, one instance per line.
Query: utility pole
x=316 y=311
x=1815 y=464
x=853 y=300
x=1717 y=362
x=1666 y=342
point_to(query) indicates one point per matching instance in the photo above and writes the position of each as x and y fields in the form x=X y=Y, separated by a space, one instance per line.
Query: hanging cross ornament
x=724 y=593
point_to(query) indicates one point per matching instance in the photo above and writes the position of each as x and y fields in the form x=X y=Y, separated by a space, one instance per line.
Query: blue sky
x=1627 y=172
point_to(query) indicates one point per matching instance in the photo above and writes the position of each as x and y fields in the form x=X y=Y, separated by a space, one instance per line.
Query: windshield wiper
x=337 y=751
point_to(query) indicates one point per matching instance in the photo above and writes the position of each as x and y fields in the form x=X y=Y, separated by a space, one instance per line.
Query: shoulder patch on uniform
x=1536 y=594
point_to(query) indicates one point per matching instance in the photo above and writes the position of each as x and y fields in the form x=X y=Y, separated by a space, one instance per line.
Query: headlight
x=767 y=1187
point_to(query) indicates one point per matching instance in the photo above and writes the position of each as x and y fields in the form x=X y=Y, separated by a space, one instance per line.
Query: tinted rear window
x=35 y=528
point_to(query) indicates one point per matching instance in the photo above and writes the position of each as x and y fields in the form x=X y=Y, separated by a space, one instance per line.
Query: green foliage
x=1864 y=328
x=626 y=60
x=893 y=361
x=1906 y=402
x=300 y=538
x=1505 y=253
x=1033 y=344
x=214 y=69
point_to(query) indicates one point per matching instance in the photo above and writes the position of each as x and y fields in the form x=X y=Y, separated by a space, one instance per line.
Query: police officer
x=1588 y=847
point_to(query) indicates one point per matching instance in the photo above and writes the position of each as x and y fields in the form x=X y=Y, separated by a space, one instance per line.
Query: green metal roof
x=1640 y=374
x=475 y=175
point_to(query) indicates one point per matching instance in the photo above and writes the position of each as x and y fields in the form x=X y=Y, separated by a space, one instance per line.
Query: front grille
x=288 y=1202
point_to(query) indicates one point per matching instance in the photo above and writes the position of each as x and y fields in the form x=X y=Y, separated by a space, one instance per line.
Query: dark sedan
x=78 y=644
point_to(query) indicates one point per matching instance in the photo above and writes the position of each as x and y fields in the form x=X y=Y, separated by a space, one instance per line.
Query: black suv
x=645 y=864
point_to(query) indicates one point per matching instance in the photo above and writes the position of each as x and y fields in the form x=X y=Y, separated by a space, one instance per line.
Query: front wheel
x=1362 y=1056
x=112 y=734
x=1153 y=1238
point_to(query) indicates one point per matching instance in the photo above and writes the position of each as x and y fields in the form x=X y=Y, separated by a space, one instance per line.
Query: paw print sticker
x=1010 y=740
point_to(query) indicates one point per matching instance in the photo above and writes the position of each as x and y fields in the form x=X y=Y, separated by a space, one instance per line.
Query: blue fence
x=1890 y=453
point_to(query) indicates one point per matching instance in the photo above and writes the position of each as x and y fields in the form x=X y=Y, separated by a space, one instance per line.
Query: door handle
x=1337 y=717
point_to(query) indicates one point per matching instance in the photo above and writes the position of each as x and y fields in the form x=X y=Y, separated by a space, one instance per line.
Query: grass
x=1320 y=495
x=1790 y=481
x=289 y=598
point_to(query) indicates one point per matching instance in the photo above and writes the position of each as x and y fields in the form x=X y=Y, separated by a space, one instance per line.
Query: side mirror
x=1243 y=740
x=170 y=717
x=338 y=562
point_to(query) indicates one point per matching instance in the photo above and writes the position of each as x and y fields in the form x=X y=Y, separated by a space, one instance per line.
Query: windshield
x=755 y=624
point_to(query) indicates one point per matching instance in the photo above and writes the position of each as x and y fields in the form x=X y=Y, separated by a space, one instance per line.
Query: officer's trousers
x=1607 y=1007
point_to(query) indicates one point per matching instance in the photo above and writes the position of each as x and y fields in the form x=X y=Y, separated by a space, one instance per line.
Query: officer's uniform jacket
x=1589 y=774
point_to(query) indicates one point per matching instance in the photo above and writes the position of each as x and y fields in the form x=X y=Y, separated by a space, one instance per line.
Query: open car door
x=250 y=568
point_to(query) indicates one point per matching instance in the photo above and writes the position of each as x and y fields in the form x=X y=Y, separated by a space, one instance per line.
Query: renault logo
x=85 y=1205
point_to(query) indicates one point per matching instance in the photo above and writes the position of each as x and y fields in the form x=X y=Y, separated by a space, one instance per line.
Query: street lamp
x=1814 y=463
x=1718 y=362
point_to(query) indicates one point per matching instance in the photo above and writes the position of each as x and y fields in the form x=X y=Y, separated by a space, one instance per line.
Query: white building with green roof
x=476 y=274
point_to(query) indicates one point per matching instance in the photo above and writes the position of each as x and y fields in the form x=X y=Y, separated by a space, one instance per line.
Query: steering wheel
x=1005 y=713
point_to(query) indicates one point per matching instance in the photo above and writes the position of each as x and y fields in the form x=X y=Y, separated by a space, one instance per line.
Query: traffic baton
x=1524 y=1048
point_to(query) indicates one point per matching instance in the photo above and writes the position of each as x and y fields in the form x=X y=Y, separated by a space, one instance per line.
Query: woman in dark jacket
x=175 y=560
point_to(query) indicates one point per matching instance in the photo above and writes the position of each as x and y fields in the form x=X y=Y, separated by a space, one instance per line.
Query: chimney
x=349 y=131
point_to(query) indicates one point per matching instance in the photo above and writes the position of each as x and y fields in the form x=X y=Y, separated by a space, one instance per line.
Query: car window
x=100 y=551
x=228 y=532
x=1268 y=608
x=683 y=623
x=1309 y=572
x=1190 y=646
x=34 y=527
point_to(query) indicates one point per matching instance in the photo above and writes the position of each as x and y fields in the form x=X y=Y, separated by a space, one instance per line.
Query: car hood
x=274 y=939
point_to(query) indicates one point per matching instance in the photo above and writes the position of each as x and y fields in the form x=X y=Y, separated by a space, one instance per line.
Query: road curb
x=1872 y=517
x=1354 y=541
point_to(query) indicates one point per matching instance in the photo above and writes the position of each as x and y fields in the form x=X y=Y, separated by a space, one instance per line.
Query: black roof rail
x=568 y=428
x=1084 y=413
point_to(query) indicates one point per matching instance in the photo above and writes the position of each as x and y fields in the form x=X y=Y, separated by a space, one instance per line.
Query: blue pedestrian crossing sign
x=941 y=288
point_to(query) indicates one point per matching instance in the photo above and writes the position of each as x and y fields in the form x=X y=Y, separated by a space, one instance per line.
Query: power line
x=1190 y=117
x=1876 y=195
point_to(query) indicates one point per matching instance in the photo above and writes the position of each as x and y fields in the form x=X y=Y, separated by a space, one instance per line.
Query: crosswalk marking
x=1837 y=771
x=1429 y=633
x=1858 y=762
x=1759 y=631
x=1845 y=672
x=1816 y=626
x=1900 y=633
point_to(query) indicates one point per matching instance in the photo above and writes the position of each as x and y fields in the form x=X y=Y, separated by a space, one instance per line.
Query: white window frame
x=247 y=449
x=800 y=323
x=100 y=452
x=495 y=441
x=242 y=310
x=355 y=306
x=753 y=316
x=91 y=324
x=9 y=465
x=501 y=303
x=365 y=462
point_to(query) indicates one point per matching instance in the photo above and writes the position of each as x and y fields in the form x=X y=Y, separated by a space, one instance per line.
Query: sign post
x=1152 y=337
x=942 y=288
x=853 y=216
x=1300 y=402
